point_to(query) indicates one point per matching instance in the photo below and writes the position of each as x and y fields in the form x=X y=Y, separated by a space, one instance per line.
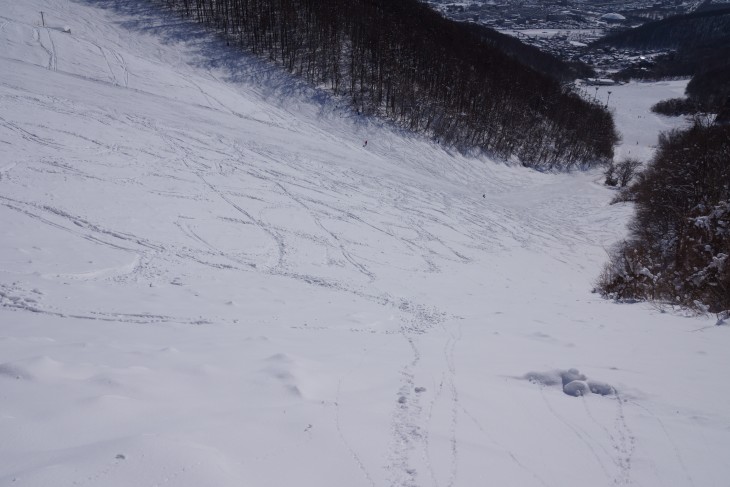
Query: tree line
x=678 y=250
x=400 y=60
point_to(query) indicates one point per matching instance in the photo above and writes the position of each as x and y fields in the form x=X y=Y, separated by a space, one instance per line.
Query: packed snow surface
x=207 y=280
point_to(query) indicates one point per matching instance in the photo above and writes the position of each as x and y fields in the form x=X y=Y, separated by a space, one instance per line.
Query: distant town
x=565 y=28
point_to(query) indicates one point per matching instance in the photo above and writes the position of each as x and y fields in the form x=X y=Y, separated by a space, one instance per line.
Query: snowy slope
x=205 y=279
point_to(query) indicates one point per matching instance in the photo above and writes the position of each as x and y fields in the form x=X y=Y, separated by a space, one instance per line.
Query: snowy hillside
x=206 y=279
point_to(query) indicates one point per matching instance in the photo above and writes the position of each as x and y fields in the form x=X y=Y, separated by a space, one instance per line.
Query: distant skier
x=366 y=143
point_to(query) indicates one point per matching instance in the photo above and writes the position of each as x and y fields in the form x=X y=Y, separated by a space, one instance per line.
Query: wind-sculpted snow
x=206 y=279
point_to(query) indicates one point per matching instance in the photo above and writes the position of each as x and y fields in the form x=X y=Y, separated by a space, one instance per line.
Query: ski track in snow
x=621 y=439
x=513 y=457
x=584 y=438
x=410 y=427
x=343 y=438
x=675 y=449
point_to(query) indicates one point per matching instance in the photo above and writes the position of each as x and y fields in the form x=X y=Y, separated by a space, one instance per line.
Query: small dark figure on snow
x=365 y=144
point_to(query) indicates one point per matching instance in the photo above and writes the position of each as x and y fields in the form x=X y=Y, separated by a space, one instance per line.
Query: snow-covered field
x=631 y=106
x=207 y=280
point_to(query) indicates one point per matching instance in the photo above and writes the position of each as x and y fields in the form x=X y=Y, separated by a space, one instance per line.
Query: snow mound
x=571 y=375
x=14 y=371
x=601 y=388
x=41 y=368
x=576 y=388
x=572 y=381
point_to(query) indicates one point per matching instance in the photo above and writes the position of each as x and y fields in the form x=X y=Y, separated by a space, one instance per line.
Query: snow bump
x=572 y=381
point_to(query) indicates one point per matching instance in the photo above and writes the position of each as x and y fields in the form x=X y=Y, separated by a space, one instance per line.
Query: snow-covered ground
x=206 y=279
x=631 y=106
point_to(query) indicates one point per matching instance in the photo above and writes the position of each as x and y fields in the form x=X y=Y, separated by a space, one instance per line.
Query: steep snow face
x=206 y=279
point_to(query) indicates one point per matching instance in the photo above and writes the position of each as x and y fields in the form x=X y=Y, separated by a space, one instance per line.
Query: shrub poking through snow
x=621 y=173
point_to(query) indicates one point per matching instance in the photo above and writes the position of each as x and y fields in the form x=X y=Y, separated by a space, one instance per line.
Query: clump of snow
x=573 y=382
x=550 y=378
x=601 y=388
x=36 y=368
x=576 y=388
x=571 y=375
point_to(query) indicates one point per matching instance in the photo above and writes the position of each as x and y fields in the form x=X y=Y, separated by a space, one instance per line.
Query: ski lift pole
x=43 y=20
